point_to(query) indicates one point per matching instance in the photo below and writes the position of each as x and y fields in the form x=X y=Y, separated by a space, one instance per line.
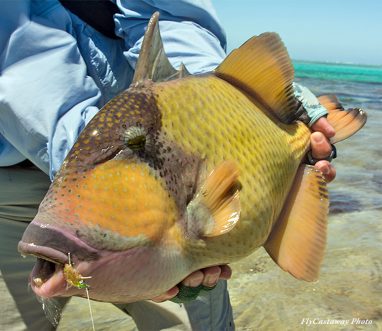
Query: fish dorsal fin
x=345 y=122
x=216 y=208
x=262 y=67
x=153 y=62
x=297 y=241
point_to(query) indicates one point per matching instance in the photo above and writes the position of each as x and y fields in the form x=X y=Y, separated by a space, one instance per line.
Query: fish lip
x=51 y=246
x=43 y=252
x=46 y=241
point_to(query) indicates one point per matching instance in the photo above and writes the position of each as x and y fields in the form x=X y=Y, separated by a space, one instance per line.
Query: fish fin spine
x=153 y=62
x=298 y=238
x=345 y=122
x=262 y=68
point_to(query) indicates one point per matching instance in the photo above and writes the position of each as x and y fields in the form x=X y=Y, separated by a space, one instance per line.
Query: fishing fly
x=75 y=279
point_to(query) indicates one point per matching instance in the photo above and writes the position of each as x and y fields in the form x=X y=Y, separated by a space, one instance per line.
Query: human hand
x=321 y=147
x=207 y=277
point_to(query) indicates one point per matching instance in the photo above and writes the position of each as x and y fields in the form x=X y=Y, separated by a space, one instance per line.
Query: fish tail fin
x=262 y=68
x=216 y=208
x=297 y=241
x=345 y=122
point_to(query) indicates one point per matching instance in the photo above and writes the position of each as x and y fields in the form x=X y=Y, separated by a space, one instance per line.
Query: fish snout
x=54 y=249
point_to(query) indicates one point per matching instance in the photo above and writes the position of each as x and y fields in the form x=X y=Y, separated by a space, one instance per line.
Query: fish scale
x=227 y=125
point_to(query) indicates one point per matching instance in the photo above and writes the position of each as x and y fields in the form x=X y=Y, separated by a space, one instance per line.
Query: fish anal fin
x=297 y=240
x=216 y=208
x=262 y=68
x=345 y=122
x=153 y=62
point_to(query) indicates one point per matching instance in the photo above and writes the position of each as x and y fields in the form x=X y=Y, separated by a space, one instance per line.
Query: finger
x=211 y=276
x=327 y=169
x=194 y=279
x=321 y=147
x=166 y=296
x=322 y=125
x=226 y=272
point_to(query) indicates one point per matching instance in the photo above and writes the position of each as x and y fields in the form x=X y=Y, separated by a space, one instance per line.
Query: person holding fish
x=59 y=67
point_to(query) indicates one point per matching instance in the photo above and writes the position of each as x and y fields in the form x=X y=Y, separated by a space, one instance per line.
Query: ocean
x=349 y=291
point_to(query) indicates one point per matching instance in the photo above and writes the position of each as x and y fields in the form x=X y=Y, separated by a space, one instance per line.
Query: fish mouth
x=51 y=247
x=47 y=277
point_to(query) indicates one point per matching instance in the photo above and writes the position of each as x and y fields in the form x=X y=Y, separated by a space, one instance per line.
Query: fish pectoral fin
x=216 y=208
x=297 y=241
x=153 y=62
x=345 y=122
x=262 y=67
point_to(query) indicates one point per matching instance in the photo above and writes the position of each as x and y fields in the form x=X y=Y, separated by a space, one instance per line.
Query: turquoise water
x=354 y=85
x=335 y=71
x=349 y=291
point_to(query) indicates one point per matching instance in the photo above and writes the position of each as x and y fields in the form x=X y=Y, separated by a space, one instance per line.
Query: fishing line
x=74 y=278
x=90 y=308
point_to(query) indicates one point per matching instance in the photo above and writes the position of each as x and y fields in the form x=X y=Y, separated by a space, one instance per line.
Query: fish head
x=119 y=193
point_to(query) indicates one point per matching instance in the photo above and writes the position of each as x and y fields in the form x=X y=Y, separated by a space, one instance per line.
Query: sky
x=346 y=31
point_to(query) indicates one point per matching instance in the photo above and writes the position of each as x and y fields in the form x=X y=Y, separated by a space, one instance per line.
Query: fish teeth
x=38 y=281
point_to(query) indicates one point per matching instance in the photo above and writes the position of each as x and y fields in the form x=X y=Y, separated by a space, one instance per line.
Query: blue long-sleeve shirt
x=56 y=71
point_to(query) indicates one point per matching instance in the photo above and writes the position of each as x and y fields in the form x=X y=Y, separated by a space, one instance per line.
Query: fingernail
x=209 y=281
x=192 y=283
x=318 y=138
x=330 y=132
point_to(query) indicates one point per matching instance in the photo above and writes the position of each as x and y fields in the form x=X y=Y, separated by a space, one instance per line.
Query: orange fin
x=297 y=241
x=345 y=122
x=330 y=102
x=262 y=68
x=216 y=208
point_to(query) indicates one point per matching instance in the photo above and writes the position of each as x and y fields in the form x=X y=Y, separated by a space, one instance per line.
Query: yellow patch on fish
x=124 y=198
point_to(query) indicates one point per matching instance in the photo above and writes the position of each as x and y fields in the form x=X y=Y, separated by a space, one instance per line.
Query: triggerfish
x=180 y=172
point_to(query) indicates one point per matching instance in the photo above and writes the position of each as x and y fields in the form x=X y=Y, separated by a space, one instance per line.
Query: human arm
x=46 y=94
x=189 y=29
x=56 y=82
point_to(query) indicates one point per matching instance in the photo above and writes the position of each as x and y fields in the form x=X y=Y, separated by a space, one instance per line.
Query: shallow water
x=350 y=286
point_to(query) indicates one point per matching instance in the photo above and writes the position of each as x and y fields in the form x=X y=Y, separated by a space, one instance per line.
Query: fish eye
x=135 y=138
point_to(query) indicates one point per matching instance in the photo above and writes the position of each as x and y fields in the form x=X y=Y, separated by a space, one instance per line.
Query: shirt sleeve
x=310 y=102
x=46 y=95
x=50 y=87
x=190 y=31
